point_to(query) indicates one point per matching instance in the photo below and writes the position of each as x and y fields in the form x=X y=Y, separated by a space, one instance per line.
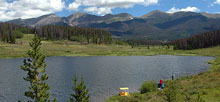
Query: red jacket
x=161 y=82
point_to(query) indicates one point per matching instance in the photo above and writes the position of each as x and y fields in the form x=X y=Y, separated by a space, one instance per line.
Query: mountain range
x=156 y=25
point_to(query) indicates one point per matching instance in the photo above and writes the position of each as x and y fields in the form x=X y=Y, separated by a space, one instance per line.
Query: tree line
x=89 y=35
x=9 y=32
x=202 y=40
x=148 y=43
x=144 y=42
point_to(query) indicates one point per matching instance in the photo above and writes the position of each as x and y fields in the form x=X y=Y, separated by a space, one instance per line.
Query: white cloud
x=214 y=3
x=99 y=11
x=102 y=7
x=217 y=2
x=28 y=8
x=211 y=5
x=73 y=6
x=188 y=9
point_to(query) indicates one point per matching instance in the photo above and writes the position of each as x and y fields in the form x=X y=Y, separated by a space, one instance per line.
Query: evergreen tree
x=12 y=39
x=36 y=66
x=81 y=93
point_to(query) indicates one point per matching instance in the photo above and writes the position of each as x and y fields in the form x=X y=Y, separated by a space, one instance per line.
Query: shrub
x=75 y=38
x=18 y=34
x=148 y=86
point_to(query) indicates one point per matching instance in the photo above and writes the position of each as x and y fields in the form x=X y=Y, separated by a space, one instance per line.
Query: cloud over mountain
x=28 y=8
x=102 y=7
x=187 y=9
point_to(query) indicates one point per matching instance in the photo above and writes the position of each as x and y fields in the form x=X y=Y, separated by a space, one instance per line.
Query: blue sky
x=14 y=9
x=164 y=5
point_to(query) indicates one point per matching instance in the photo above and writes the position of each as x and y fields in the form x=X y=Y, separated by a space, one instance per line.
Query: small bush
x=148 y=86
x=77 y=38
x=18 y=34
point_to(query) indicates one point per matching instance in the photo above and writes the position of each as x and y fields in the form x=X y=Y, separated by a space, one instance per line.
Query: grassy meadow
x=69 y=48
x=206 y=84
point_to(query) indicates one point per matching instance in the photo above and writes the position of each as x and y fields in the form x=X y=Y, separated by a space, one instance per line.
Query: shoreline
x=214 y=68
x=184 y=54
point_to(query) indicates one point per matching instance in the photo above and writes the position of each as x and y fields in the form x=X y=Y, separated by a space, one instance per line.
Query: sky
x=14 y=9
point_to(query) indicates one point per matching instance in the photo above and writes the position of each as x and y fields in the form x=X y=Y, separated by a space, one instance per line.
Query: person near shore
x=161 y=82
x=173 y=76
x=161 y=85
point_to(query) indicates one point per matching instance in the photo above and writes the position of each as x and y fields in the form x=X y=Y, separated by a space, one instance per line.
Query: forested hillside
x=89 y=35
x=202 y=40
x=9 y=32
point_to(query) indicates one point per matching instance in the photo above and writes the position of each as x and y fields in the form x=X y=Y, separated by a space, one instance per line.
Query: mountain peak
x=124 y=14
x=48 y=16
x=152 y=13
x=76 y=15
x=156 y=11
x=208 y=15
x=52 y=15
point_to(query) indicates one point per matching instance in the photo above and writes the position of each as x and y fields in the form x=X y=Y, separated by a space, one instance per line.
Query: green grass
x=68 y=48
x=206 y=83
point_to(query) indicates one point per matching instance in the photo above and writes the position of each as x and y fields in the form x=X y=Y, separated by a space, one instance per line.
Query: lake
x=103 y=75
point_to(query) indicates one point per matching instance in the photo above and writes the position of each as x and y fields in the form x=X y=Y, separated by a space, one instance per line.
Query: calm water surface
x=103 y=75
